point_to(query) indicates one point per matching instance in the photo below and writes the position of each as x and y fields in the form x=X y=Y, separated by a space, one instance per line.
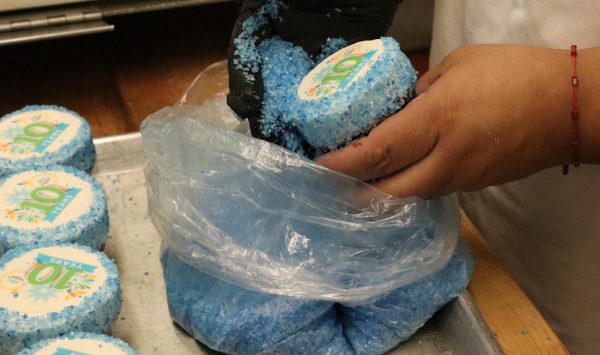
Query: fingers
x=424 y=179
x=433 y=74
x=426 y=80
x=397 y=142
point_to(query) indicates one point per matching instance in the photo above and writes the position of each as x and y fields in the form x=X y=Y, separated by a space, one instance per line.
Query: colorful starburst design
x=12 y=281
x=11 y=132
x=17 y=196
x=21 y=148
x=82 y=281
x=41 y=293
x=28 y=215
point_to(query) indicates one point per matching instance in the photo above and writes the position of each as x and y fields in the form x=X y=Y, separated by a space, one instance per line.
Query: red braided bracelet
x=574 y=112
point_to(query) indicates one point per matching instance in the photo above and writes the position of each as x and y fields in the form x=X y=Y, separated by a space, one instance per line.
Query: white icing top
x=80 y=347
x=340 y=70
x=33 y=133
x=49 y=279
x=34 y=199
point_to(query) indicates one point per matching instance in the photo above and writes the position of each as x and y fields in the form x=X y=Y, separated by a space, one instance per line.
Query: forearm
x=588 y=92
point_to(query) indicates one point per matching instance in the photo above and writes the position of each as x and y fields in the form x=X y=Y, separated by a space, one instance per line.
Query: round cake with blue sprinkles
x=39 y=136
x=54 y=290
x=54 y=204
x=80 y=344
x=351 y=91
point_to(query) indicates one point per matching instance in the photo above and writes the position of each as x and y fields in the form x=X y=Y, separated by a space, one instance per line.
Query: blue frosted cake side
x=24 y=220
x=53 y=290
x=297 y=108
x=48 y=344
x=234 y=320
x=283 y=67
x=353 y=90
x=306 y=121
x=45 y=135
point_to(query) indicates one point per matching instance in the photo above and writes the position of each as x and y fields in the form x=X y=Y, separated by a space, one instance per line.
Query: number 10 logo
x=44 y=198
x=35 y=133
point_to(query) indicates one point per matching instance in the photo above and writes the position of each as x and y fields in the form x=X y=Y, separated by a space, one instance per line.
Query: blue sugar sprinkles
x=52 y=290
x=43 y=135
x=351 y=91
x=234 y=320
x=320 y=104
x=340 y=99
x=52 y=204
x=80 y=343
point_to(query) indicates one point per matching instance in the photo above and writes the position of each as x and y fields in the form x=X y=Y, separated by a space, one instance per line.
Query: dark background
x=116 y=79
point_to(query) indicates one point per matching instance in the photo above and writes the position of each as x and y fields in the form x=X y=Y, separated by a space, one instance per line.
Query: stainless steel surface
x=144 y=321
x=51 y=24
x=10 y=5
x=77 y=19
x=31 y=20
x=113 y=7
x=461 y=324
x=125 y=7
x=53 y=32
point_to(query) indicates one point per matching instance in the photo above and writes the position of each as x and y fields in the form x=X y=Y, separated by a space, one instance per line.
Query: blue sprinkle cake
x=54 y=204
x=279 y=101
x=312 y=105
x=49 y=291
x=39 y=136
x=235 y=320
x=351 y=91
x=343 y=97
x=80 y=344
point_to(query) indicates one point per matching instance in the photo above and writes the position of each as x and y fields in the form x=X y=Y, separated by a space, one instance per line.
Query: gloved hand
x=307 y=23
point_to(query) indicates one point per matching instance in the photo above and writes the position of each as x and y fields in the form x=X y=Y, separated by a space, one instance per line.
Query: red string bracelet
x=574 y=112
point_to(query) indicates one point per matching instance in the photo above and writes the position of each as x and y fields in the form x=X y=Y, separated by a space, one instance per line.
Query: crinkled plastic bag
x=255 y=215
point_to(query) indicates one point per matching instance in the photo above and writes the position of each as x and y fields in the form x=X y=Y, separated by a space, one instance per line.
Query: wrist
x=588 y=91
x=554 y=105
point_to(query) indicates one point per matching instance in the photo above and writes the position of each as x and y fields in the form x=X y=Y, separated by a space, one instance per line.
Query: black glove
x=307 y=23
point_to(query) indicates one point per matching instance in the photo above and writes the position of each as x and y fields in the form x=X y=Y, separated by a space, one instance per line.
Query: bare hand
x=486 y=115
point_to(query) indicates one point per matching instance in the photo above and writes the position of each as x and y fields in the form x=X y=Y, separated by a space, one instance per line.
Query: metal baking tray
x=144 y=322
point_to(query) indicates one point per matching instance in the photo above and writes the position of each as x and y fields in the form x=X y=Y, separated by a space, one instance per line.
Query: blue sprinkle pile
x=234 y=320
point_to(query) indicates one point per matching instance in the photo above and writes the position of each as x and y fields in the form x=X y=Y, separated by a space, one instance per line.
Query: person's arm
x=588 y=68
x=486 y=115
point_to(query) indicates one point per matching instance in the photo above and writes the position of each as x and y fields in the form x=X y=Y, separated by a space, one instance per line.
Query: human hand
x=307 y=23
x=486 y=115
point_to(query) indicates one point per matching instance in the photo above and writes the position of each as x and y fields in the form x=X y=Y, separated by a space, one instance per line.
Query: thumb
x=400 y=140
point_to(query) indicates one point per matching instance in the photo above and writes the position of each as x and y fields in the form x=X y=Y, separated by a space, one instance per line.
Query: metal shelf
x=79 y=17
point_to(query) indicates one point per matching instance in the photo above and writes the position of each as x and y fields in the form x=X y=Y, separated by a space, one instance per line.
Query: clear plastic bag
x=256 y=215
